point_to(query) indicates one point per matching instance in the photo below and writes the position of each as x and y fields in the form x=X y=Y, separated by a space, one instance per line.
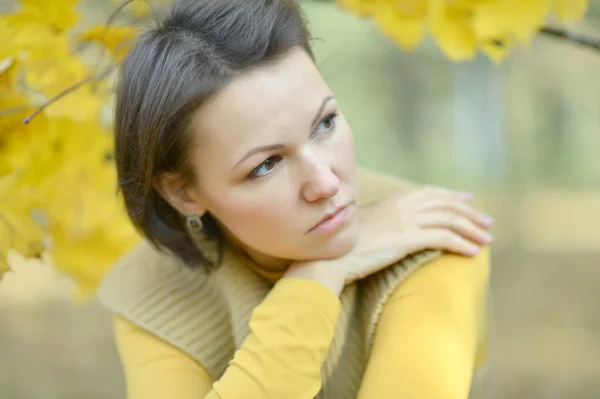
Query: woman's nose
x=321 y=183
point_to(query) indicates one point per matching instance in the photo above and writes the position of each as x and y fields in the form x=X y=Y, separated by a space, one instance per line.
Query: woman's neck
x=261 y=260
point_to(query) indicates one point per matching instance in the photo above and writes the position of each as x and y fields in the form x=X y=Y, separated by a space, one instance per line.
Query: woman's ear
x=178 y=193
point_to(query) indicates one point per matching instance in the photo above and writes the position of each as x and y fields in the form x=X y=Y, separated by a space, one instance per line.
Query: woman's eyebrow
x=321 y=108
x=256 y=150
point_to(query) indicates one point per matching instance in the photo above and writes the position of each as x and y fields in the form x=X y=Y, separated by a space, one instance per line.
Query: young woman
x=273 y=267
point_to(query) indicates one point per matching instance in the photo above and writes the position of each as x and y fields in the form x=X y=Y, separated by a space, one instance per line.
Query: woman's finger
x=428 y=192
x=443 y=239
x=456 y=222
x=457 y=207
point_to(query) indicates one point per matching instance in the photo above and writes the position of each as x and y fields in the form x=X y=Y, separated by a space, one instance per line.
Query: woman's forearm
x=291 y=332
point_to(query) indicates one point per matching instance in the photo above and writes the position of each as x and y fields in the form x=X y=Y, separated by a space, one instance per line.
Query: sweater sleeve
x=432 y=333
x=290 y=335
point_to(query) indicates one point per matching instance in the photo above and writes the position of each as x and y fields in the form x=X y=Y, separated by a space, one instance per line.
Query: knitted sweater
x=207 y=316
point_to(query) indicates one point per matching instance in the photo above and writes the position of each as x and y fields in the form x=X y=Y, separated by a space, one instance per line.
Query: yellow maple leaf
x=8 y=48
x=18 y=230
x=450 y=24
x=569 y=10
x=13 y=104
x=8 y=74
x=401 y=21
x=52 y=75
x=86 y=258
x=58 y=14
x=35 y=159
x=81 y=105
x=117 y=39
x=495 y=19
x=31 y=37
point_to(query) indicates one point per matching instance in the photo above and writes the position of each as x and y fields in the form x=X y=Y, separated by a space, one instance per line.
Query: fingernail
x=487 y=237
x=488 y=220
x=474 y=249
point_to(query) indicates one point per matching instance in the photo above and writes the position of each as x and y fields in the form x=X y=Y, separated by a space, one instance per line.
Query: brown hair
x=172 y=68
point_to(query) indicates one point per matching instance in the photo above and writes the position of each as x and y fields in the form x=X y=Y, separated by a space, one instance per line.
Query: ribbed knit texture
x=207 y=315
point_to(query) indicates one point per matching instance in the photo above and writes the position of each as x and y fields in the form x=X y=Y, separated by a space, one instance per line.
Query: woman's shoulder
x=146 y=275
x=448 y=259
x=142 y=265
x=157 y=293
x=452 y=274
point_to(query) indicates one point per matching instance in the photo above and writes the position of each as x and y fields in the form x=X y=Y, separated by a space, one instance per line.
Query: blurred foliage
x=461 y=27
x=57 y=178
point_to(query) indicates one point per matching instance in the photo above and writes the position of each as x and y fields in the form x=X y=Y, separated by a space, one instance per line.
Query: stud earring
x=194 y=222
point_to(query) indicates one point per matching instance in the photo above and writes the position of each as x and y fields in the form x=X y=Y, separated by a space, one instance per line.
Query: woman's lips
x=332 y=222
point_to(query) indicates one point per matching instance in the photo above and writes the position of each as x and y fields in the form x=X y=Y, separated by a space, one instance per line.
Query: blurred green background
x=524 y=136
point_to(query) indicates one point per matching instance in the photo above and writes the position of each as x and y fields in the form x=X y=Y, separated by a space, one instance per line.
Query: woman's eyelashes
x=265 y=167
x=326 y=125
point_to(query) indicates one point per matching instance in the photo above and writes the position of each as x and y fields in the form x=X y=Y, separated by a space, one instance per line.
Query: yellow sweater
x=429 y=339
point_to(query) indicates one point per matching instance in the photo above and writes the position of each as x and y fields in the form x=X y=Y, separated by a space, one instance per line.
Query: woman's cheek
x=256 y=217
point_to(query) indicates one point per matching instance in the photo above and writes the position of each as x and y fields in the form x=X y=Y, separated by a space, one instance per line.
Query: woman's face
x=274 y=157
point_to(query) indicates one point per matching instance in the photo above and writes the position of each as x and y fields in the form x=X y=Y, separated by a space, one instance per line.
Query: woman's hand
x=423 y=218
x=406 y=223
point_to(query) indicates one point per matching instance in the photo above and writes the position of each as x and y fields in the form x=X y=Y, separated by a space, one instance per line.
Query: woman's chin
x=337 y=246
x=333 y=247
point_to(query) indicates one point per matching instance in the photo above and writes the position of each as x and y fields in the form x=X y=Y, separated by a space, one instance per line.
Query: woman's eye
x=327 y=124
x=266 y=167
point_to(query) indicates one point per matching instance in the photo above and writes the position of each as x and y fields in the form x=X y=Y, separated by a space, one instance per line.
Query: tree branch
x=585 y=41
x=68 y=90
x=107 y=25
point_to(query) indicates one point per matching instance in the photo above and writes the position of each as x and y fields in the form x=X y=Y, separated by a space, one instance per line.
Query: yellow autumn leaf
x=8 y=48
x=495 y=19
x=23 y=151
x=450 y=25
x=116 y=39
x=80 y=106
x=569 y=10
x=52 y=75
x=86 y=258
x=19 y=231
x=8 y=74
x=13 y=104
x=404 y=24
x=58 y=14
x=461 y=27
x=32 y=38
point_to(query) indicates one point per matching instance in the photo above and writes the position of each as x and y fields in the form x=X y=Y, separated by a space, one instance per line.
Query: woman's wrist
x=321 y=272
